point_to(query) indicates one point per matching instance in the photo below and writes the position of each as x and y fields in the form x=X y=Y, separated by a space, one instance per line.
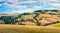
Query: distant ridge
x=47 y=10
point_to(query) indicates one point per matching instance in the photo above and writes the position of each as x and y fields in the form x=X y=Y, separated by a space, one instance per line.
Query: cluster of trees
x=8 y=20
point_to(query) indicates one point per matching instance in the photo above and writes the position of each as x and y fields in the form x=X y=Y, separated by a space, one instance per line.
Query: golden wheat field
x=27 y=29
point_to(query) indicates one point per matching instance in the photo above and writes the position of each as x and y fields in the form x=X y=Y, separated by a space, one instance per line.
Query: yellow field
x=27 y=29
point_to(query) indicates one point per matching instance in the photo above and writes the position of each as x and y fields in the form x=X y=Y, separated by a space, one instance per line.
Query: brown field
x=27 y=29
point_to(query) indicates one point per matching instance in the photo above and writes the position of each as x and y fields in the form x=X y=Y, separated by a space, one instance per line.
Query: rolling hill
x=39 y=17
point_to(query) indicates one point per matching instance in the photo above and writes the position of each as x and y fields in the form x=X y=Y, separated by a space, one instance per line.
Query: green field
x=57 y=25
x=27 y=29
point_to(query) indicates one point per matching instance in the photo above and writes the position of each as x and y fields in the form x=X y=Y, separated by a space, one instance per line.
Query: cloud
x=55 y=5
x=20 y=11
x=23 y=4
x=54 y=0
x=0 y=5
x=16 y=6
x=1 y=0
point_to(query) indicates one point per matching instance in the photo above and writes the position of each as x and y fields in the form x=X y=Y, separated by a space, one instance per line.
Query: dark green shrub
x=8 y=19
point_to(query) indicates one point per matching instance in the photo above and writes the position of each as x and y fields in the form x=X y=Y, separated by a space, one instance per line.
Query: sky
x=21 y=6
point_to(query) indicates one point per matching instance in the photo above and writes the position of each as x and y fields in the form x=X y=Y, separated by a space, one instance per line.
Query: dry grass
x=27 y=29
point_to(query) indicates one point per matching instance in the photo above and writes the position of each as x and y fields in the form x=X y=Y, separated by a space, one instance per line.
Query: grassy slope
x=56 y=25
x=27 y=29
